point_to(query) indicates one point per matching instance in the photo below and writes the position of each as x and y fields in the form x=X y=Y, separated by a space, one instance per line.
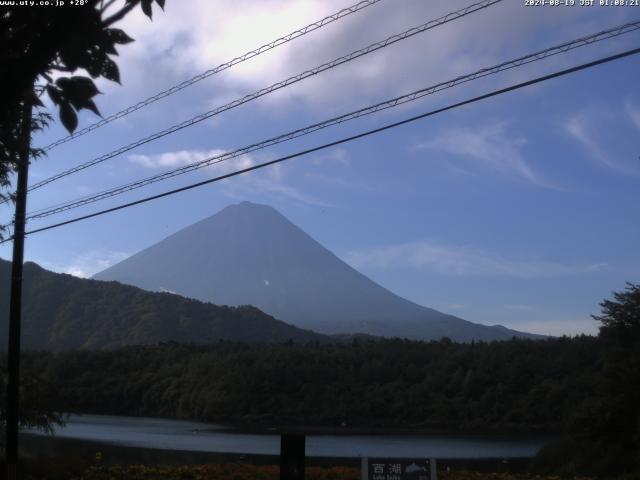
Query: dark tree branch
x=106 y=6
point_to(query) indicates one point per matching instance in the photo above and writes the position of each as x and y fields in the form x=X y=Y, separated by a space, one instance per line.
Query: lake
x=203 y=437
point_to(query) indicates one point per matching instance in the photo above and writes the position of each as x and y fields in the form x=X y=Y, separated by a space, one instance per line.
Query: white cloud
x=259 y=182
x=633 y=111
x=268 y=180
x=463 y=261
x=173 y=159
x=336 y=156
x=182 y=158
x=89 y=263
x=588 y=128
x=492 y=145
x=578 y=127
x=77 y=272
x=195 y=36
x=340 y=181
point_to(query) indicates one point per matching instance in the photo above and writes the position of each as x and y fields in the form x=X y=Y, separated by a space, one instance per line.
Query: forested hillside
x=63 y=312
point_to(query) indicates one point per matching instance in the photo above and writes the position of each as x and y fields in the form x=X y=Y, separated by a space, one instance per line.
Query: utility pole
x=15 y=305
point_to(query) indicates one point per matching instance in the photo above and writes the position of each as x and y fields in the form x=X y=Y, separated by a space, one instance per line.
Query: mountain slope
x=251 y=254
x=63 y=312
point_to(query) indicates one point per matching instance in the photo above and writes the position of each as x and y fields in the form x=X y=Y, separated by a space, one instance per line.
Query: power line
x=276 y=86
x=223 y=66
x=343 y=140
x=216 y=159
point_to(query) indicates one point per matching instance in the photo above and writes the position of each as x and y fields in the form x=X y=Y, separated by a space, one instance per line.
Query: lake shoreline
x=154 y=433
x=273 y=428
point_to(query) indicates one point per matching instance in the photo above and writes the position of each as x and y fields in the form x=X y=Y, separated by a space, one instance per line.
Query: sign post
x=292 y=456
x=398 y=469
x=15 y=301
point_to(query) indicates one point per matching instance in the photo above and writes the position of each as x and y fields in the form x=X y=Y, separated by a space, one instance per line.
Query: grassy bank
x=264 y=472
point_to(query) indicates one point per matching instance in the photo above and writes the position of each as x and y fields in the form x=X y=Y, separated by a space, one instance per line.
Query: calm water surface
x=204 y=437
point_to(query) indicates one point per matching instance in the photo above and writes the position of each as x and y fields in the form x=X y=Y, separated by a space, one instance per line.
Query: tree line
x=586 y=389
x=516 y=385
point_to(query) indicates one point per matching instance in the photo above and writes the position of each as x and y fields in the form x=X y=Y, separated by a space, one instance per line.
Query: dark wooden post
x=15 y=305
x=292 y=457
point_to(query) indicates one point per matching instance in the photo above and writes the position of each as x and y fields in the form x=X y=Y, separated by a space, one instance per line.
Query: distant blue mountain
x=251 y=254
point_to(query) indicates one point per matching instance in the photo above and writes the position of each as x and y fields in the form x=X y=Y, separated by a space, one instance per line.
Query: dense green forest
x=520 y=384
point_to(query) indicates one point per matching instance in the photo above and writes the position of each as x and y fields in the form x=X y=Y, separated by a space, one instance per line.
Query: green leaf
x=118 y=36
x=76 y=86
x=93 y=69
x=110 y=70
x=68 y=117
x=63 y=82
x=84 y=86
x=70 y=57
x=35 y=100
x=90 y=105
x=80 y=103
x=54 y=94
x=146 y=7
x=109 y=48
x=77 y=91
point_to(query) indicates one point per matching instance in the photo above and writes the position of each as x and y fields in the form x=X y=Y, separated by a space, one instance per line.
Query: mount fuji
x=250 y=254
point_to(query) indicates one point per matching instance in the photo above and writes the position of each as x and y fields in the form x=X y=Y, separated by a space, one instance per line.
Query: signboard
x=398 y=469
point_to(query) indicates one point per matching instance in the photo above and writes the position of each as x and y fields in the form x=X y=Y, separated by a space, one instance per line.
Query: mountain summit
x=251 y=254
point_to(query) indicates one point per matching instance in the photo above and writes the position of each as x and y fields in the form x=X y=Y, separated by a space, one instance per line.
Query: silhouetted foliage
x=38 y=43
x=40 y=402
x=603 y=433
x=620 y=317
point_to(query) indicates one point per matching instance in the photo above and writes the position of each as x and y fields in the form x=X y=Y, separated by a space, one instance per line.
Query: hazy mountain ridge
x=63 y=312
x=251 y=254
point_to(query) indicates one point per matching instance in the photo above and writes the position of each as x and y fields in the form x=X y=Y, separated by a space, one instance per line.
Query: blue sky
x=520 y=210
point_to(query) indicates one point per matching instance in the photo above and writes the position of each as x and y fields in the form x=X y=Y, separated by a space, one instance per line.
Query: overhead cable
x=223 y=66
x=394 y=102
x=494 y=93
x=276 y=86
